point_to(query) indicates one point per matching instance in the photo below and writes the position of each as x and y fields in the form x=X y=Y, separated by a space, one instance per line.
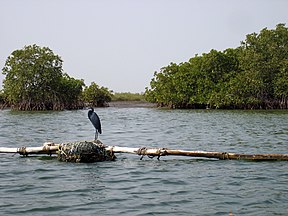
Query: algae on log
x=86 y=152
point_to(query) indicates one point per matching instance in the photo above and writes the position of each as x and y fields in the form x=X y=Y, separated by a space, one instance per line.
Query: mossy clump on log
x=86 y=152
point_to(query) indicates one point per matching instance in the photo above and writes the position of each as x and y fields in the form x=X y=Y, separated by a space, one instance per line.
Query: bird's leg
x=96 y=135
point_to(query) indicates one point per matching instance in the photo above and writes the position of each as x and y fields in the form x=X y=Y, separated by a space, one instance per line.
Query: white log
x=218 y=155
x=51 y=148
x=8 y=150
x=118 y=149
x=47 y=148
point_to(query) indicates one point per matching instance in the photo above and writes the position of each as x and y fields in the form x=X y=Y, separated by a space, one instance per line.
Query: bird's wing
x=94 y=118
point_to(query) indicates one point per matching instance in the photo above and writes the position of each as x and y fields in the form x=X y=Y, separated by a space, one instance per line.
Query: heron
x=95 y=120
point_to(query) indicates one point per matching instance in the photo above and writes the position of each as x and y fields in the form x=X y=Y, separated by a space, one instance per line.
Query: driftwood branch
x=52 y=148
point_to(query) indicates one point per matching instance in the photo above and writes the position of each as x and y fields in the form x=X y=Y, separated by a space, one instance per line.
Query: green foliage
x=35 y=81
x=97 y=96
x=2 y=98
x=71 y=90
x=254 y=75
x=280 y=85
x=265 y=55
x=127 y=96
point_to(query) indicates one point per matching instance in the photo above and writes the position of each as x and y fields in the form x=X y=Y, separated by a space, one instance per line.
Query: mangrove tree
x=251 y=76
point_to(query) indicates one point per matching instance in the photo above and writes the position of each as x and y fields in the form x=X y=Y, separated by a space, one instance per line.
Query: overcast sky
x=120 y=43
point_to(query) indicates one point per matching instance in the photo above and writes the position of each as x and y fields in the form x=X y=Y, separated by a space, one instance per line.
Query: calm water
x=172 y=186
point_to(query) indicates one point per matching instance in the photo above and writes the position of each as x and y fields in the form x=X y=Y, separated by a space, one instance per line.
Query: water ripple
x=129 y=186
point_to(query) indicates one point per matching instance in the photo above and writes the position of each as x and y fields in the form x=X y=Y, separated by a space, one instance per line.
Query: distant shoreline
x=131 y=104
x=116 y=104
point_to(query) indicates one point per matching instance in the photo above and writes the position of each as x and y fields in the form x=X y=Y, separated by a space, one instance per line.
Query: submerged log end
x=259 y=157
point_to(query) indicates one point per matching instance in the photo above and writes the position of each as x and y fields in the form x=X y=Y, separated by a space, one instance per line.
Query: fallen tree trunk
x=52 y=148
x=158 y=152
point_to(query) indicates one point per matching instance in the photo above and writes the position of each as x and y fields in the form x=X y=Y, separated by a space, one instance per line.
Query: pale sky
x=119 y=44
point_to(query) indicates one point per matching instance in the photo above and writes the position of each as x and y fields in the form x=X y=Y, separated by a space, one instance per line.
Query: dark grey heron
x=95 y=120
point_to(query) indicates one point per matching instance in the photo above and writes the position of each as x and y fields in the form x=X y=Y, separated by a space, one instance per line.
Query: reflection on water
x=172 y=186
